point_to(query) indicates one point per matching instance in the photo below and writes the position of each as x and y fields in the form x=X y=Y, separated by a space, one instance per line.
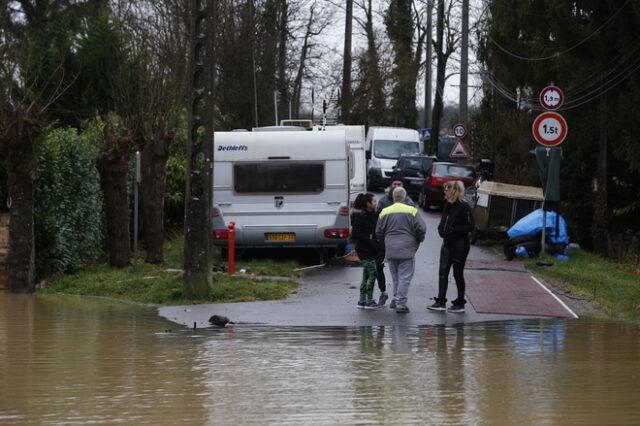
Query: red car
x=432 y=192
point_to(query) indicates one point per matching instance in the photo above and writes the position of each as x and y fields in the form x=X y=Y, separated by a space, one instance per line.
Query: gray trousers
x=402 y=271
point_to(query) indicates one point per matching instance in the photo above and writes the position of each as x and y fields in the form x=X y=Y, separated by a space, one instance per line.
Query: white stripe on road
x=555 y=297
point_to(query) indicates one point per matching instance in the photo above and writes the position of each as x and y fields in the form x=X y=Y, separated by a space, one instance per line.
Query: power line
x=557 y=54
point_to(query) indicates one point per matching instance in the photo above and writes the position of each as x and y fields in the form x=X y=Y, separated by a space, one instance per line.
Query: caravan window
x=278 y=177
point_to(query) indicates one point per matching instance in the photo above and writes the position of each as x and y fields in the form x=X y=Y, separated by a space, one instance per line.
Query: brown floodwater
x=79 y=361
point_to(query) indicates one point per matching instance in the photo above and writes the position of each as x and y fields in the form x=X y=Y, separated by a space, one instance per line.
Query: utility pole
x=437 y=107
x=427 y=67
x=464 y=63
x=198 y=262
x=346 y=67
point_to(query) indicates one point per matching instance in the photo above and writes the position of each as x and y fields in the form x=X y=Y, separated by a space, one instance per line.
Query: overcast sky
x=334 y=36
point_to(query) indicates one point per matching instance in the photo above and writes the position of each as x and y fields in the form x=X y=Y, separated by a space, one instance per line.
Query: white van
x=357 y=159
x=282 y=189
x=384 y=146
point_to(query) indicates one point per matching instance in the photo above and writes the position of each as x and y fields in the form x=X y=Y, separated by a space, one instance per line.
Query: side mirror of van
x=368 y=155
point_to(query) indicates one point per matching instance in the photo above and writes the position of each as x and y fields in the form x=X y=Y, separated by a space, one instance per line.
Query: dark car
x=432 y=192
x=414 y=168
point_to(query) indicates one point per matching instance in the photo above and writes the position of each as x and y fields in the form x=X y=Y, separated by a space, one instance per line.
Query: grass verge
x=162 y=284
x=613 y=286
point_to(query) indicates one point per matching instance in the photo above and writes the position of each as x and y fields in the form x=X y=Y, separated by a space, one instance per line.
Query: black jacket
x=456 y=222
x=363 y=234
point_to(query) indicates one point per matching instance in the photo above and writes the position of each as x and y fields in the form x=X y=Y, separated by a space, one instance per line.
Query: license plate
x=281 y=237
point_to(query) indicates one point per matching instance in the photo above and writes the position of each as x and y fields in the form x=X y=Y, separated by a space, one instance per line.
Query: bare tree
x=158 y=39
x=316 y=22
x=369 y=94
x=32 y=77
x=443 y=49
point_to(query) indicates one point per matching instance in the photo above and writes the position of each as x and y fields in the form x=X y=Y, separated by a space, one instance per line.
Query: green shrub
x=69 y=219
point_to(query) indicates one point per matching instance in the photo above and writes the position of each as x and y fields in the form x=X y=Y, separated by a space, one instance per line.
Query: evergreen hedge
x=69 y=217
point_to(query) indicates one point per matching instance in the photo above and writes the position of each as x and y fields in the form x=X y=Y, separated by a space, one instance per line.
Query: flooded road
x=80 y=361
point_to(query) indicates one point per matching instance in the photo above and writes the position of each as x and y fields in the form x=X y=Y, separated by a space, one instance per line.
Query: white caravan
x=384 y=146
x=282 y=189
x=357 y=159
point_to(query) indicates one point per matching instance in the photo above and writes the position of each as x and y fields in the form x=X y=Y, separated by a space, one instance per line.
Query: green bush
x=69 y=218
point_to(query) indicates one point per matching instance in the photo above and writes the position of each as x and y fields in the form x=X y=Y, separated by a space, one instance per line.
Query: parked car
x=415 y=169
x=432 y=192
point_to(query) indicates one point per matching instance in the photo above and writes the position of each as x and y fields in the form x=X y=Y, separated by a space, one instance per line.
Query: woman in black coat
x=363 y=234
x=455 y=226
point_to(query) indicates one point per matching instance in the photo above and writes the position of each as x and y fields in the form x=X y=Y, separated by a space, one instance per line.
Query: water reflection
x=79 y=361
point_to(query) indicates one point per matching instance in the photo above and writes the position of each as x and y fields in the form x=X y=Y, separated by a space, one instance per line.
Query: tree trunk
x=113 y=165
x=20 y=139
x=377 y=100
x=283 y=36
x=154 y=174
x=437 y=104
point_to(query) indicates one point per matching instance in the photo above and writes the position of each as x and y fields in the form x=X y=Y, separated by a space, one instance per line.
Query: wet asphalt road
x=327 y=296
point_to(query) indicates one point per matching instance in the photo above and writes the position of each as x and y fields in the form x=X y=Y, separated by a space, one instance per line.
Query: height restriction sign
x=551 y=98
x=550 y=129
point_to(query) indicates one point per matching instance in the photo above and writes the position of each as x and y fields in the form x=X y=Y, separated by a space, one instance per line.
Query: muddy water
x=76 y=361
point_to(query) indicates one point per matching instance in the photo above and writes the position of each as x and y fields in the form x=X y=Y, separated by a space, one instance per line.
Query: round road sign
x=551 y=98
x=460 y=131
x=550 y=129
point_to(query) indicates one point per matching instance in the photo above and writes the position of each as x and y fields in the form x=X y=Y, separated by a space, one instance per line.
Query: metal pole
x=464 y=63
x=275 y=106
x=136 y=181
x=428 y=68
x=544 y=227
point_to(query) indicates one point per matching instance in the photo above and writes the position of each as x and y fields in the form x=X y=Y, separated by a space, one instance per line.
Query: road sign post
x=550 y=129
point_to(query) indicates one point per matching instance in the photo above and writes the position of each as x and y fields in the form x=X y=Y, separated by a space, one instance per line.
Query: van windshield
x=393 y=149
x=278 y=177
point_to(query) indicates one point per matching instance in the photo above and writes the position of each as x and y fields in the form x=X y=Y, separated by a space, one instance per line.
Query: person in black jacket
x=363 y=233
x=454 y=228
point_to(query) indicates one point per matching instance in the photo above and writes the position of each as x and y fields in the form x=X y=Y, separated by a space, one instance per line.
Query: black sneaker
x=371 y=304
x=458 y=309
x=383 y=299
x=360 y=304
x=402 y=309
x=438 y=307
x=393 y=305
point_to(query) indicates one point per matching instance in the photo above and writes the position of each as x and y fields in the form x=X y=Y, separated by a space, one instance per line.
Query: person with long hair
x=455 y=226
x=363 y=233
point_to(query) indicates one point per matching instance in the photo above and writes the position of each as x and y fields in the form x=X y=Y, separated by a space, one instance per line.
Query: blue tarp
x=531 y=224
